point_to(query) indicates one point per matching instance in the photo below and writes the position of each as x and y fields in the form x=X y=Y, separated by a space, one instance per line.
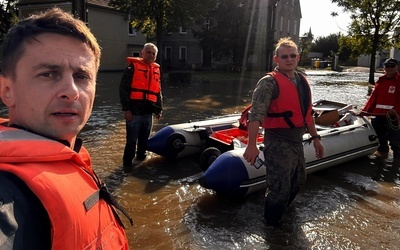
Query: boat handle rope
x=393 y=123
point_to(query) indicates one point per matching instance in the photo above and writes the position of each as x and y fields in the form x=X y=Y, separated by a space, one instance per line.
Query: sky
x=317 y=15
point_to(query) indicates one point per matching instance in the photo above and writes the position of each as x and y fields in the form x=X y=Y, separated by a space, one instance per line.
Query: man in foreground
x=50 y=197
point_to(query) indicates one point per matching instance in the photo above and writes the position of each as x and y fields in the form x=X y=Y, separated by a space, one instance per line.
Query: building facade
x=111 y=28
x=274 y=19
x=180 y=49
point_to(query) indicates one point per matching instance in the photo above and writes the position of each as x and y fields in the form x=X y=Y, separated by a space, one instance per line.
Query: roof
x=100 y=3
x=103 y=3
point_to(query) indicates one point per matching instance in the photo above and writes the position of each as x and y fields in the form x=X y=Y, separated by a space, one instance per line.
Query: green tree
x=154 y=17
x=372 y=27
x=305 y=44
x=346 y=52
x=232 y=32
x=8 y=16
x=330 y=46
x=327 y=45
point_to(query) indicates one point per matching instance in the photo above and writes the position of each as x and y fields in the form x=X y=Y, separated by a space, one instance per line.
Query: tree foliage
x=372 y=27
x=8 y=16
x=230 y=31
x=227 y=33
x=153 y=17
x=328 y=45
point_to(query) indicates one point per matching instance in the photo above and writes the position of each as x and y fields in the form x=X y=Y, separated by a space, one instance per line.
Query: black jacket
x=24 y=223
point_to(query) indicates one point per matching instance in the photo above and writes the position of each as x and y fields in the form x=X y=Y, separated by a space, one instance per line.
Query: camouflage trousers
x=286 y=175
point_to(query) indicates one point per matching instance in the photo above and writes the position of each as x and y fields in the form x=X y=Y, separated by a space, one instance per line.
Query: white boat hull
x=184 y=139
x=231 y=175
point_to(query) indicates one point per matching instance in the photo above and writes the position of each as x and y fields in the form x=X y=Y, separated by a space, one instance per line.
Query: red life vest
x=244 y=120
x=285 y=111
x=63 y=180
x=385 y=96
x=145 y=83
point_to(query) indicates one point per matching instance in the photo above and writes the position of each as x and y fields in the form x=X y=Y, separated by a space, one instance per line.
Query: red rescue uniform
x=385 y=96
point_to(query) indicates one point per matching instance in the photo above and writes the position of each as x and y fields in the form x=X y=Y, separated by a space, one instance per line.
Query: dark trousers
x=386 y=134
x=137 y=132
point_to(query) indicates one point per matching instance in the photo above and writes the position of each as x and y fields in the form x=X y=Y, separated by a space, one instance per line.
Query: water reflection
x=351 y=206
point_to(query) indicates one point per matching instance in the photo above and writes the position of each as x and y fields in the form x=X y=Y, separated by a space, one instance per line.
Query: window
x=207 y=23
x=131 y=30
x=182 y=30
x=183 y=53
x=295 y=28
x=281 y=24
x=168 y=53
x=288 y=26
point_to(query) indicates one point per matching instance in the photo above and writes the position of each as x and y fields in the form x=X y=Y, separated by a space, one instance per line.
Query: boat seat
x=346 y=119
x=334 y=121
x=332 y=117
x=327 y=119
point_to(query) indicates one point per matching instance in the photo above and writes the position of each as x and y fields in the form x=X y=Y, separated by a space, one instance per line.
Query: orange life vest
x=285 y=111
x=385 y=96
x=145 y=84
x=63 y=180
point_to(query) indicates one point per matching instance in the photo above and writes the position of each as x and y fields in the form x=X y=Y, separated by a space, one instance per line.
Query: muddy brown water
x=351 y=206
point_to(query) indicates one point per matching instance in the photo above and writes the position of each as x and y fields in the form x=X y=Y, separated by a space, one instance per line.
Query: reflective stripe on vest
x=381 y=106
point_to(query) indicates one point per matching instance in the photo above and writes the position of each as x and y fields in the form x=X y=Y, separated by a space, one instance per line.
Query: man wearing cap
x=384 y=104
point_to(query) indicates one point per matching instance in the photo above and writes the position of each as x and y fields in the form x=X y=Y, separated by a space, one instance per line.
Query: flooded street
x=352 y=206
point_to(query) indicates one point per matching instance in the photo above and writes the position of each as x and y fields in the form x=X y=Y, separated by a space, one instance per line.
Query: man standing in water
x=282 y=105
x=384 y=103
x=50 y=197
x=140 y=96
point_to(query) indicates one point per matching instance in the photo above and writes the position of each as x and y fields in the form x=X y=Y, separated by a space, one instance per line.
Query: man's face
x=287 y=58
x=149 y=55
x=391 y=69
x=54 y=86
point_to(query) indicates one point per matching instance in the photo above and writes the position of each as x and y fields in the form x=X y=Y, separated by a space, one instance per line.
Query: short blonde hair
x=286 y=42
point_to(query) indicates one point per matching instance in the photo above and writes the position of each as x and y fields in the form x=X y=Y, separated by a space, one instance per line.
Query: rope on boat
x=393 y=122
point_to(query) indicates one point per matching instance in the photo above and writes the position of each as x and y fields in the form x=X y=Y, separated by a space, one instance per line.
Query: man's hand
x=392 y=113
x=251 y=153
x=319 y=149
x=128 y=115
x=158 y=116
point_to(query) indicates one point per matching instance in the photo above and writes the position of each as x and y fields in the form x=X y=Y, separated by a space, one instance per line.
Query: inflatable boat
x=184 y=139
x=345 y=137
